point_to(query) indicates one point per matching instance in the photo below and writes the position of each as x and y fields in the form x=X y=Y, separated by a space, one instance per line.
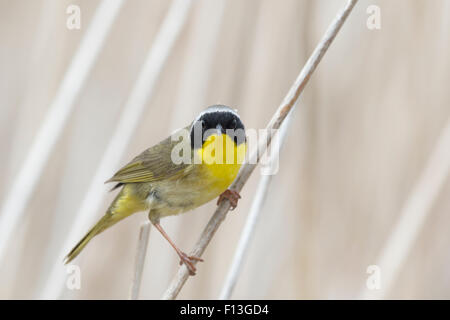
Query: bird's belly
x=205 y=183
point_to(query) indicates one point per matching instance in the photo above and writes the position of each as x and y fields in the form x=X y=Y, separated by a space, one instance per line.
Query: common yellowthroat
x=211 y=155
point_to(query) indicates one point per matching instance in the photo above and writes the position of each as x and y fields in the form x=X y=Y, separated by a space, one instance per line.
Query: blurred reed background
x=358 y=143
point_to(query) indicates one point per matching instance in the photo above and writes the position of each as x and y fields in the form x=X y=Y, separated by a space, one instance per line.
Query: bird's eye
x=233 y=124
x=203 y=124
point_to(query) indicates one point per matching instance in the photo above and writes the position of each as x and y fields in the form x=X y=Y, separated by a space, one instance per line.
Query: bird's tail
x=105 y=222
x=123 y=206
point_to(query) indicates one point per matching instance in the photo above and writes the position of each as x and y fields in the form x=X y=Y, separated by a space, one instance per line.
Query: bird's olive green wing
x=154 y=164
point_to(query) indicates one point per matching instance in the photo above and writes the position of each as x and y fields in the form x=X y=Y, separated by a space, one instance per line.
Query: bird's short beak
x=219 y=129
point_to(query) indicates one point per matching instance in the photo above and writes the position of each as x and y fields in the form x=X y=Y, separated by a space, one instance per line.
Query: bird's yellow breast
x=215 y=167
x=221 y=160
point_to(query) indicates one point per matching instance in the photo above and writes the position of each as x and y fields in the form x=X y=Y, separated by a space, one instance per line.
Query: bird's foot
x=188 y=261
x=232 y=196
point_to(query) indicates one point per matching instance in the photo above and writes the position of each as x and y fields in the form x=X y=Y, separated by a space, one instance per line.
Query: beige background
x=359 y=140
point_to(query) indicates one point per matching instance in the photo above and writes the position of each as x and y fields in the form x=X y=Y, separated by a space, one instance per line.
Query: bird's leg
x=187 y=260
x=232 y=196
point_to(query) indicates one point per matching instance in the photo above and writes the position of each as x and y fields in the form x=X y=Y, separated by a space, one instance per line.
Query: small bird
x=212 y=151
